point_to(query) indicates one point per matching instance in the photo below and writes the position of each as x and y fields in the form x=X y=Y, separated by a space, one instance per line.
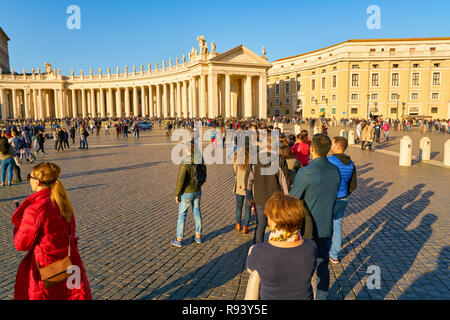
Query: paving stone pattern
x=123 y=195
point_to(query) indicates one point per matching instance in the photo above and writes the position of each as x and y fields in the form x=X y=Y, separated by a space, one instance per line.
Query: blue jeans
x=338 y=216
x=261 y=224
x=240 y=199
x=7 y=164
x=322 y=271
x=85 y=144
x=188 y=199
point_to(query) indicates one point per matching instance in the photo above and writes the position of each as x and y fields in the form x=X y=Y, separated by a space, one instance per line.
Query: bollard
x=297 y=129
x=425 y=149
x=351 y=137
x=424 y=128
x=405 y=151
x=447 y=153
x=342 y=133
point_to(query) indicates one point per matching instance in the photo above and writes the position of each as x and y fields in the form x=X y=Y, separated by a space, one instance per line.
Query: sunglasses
x=29 y=177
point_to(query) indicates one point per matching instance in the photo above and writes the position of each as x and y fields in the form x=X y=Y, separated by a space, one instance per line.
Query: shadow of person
x=361 y=233
x=211 y=275
x=416 y=238
x=436 y=281
x=395 y=217
x=366 y=194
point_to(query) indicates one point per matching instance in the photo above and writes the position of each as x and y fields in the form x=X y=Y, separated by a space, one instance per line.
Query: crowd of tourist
x=302 y=202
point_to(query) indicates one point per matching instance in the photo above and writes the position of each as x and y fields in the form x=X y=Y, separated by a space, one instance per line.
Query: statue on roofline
x=48 y=68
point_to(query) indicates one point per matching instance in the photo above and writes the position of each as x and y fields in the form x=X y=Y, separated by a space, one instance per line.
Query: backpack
x=198 y=175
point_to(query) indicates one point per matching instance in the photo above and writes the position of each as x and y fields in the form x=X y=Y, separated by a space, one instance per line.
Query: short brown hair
x=285 y=152
x=341 y=142
x=285 y=211
x=321 y=144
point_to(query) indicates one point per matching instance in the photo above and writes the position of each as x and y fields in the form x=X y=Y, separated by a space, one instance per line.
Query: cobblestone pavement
x=123 y=196
x=437 y=141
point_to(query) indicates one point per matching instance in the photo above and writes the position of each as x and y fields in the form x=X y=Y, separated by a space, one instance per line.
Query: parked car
x=145 y=125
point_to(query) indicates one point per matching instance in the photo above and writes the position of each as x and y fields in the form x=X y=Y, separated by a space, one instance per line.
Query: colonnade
x=204 y=95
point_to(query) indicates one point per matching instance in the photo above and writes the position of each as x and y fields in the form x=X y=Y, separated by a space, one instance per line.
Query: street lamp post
x=368 y=96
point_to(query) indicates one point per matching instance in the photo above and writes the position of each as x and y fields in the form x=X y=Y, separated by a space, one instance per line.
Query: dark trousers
x=59 y=144
x=17 y=172
x=41 y=147
x=261 y=224
x=66 y=144
x=322 y=271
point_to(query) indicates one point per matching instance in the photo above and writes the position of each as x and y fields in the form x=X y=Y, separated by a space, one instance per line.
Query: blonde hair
x=48 y=174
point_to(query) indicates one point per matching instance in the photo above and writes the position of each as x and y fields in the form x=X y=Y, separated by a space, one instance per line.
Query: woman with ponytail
x=44 y=225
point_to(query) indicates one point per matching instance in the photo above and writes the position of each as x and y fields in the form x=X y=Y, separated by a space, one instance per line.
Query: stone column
x=158 y=100
x=127 y=102
x=184 y=99
x=227 y=95
x=56 y=103
x=35 y=105
x=178 y=110
x=102 y=103
x=150 y=102
x=212 y=96
x=172 y=99
x=25 y=105
x=3 y=104
x=41 y=104
x=262 y=97
x=47 y=113
x=92 y=103
x=192 y=98
x=135 y=102
x=97 y=110
x=84 y=112
x=144 y=102
x=110 y=103
x=74 y=104
x=202 y=104
x=14 y=103
x=118 y=103
x=165 y=93
x=62 y=112
x=248 y=97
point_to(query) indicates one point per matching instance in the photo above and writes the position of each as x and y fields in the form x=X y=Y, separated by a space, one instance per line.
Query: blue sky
x=118 y=32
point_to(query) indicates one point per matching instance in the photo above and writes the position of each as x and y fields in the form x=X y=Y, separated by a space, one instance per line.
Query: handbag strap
x=68 y=254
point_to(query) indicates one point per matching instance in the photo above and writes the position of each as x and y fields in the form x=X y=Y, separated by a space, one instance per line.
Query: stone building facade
x=203 y=84
x=4 y=53
x=386 y=77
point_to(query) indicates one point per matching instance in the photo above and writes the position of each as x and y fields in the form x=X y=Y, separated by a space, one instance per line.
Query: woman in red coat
x=301 y=148
x=41 y=227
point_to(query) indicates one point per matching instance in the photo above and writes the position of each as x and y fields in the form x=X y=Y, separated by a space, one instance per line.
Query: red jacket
x=40 y=229
x=301 y=151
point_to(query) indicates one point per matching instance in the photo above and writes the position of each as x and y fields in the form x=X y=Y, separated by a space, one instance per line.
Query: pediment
x=241 y=55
